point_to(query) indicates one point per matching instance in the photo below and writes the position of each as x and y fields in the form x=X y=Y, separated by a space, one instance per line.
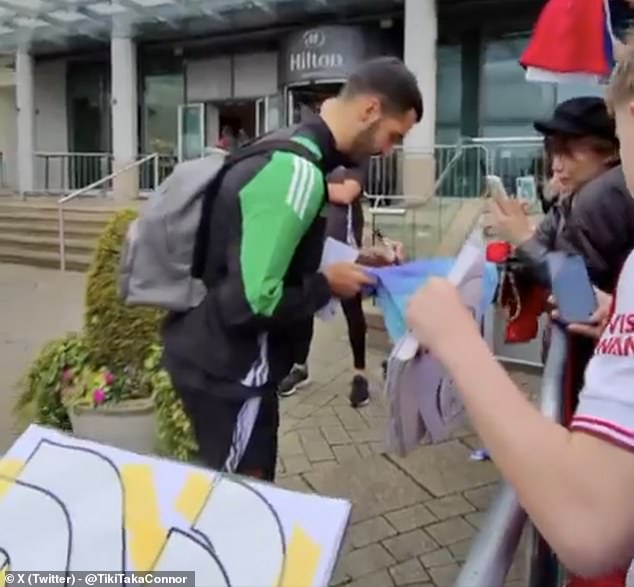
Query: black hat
x=580 y=117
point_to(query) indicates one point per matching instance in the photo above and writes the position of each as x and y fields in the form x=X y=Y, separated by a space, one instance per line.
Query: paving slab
x=413 y=519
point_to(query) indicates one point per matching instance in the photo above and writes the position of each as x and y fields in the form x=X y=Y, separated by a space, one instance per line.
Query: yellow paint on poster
x=9 y=468
x=145 y=532
x=302 y=560
x=3 y=576
x=193 y=495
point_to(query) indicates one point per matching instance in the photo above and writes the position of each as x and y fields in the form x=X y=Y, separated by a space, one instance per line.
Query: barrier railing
x=59 y=172
x=517 y=161
x=152 y=174
x=386 y=173
x=104 y=181
x=496 y=544
x=421 y=221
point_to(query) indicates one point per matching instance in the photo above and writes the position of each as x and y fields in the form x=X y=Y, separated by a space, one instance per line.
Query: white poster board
x=72 y=505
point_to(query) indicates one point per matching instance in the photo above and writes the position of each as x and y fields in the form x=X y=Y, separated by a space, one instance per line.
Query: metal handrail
x=494 y=140
x=92 y=186
x=494 y=548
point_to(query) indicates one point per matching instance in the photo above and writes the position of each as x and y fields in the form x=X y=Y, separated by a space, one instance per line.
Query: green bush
x=41 y=401
x=118 y=336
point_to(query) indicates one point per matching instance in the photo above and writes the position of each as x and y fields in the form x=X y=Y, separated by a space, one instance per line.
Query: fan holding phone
x=572 y=288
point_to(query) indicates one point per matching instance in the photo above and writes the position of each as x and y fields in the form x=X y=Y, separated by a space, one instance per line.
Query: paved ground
x=412 y=520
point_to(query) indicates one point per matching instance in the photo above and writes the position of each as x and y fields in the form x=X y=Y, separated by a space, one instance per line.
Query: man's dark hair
x=389 y=79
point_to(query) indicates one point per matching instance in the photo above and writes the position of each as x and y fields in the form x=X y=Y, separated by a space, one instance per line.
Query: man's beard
x=363 y=145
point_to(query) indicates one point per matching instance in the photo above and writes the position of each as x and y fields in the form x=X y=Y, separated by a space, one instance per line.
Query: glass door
x=291 y=116
x=191 y=131
x=88 y=105
x=261 y=116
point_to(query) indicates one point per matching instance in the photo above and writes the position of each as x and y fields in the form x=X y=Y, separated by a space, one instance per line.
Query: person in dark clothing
x=227 y=356
x=345 y=223
x=593 y=216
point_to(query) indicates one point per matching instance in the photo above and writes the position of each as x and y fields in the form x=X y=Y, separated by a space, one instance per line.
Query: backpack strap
x=253 y=149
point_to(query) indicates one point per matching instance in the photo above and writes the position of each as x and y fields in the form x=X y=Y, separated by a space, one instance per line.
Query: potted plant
x=106 y=383
x=111 y=407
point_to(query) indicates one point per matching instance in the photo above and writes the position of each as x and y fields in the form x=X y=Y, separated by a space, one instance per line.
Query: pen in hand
x=386 y=242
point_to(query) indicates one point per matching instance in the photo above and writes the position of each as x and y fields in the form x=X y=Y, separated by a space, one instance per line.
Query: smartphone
x=572 y=288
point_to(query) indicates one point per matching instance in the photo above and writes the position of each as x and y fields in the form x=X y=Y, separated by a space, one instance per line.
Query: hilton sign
x=323 y=53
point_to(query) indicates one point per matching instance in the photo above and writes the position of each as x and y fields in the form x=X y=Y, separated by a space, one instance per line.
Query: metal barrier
x=385 y=178
x=2 y=171
x=495 y=546
x=420 y=222
x=60 y=172
x=152 y=174
x=517 y=161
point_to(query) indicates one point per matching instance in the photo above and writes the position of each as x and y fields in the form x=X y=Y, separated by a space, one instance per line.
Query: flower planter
x=130 y=425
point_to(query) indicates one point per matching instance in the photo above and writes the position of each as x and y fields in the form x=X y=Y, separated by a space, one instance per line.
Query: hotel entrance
x=306 y=98
x=224 y=124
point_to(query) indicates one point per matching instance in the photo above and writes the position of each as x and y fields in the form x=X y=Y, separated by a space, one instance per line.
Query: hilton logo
x=310 y=61
x=312 y=58
x=314 y=39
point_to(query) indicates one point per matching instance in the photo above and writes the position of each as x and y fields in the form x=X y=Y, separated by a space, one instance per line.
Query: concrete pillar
x=125 y=119
x=25 y=102
x=421 y=32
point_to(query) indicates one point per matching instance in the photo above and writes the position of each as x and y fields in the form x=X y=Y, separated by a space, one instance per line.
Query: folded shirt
x=423 y=402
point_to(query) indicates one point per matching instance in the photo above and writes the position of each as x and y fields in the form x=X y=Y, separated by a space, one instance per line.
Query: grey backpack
x=163 y=257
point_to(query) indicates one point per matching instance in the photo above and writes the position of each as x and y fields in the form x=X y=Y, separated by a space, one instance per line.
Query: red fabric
x=498 y=252
x=526 y=325
x=568 y=38
x=614 y=580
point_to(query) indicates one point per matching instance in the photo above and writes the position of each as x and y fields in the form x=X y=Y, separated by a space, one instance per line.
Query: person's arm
x=535 y=247
x=343 y=192
x=345 y=184
x=277 y=208
x=600 y=227
x=576 y=488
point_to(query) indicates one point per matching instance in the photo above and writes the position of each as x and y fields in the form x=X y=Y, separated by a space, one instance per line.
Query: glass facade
x=509 y=103
x=449 y=93
x=162 y=92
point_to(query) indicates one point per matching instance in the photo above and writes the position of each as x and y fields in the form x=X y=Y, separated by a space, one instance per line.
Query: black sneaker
x=297 y=378
x=384 y=369
x=359 y=394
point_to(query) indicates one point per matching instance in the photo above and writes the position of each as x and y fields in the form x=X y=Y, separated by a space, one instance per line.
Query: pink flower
x=99 y=396
x=67 y=375
x=108 y=378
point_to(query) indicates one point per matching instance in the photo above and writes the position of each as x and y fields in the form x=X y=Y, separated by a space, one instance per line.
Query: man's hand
x=374 y=257
x=598 y=320
x=438 y=317
x=509 y=220
x=399 y=251
x=346 y=279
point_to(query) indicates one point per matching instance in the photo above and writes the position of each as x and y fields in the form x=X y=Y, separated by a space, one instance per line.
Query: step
x=54 y=211
x=87 y=203
x=461 y=226
x=74 y=262
x=39 y=243
x=72 y=229
x=44 y=219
